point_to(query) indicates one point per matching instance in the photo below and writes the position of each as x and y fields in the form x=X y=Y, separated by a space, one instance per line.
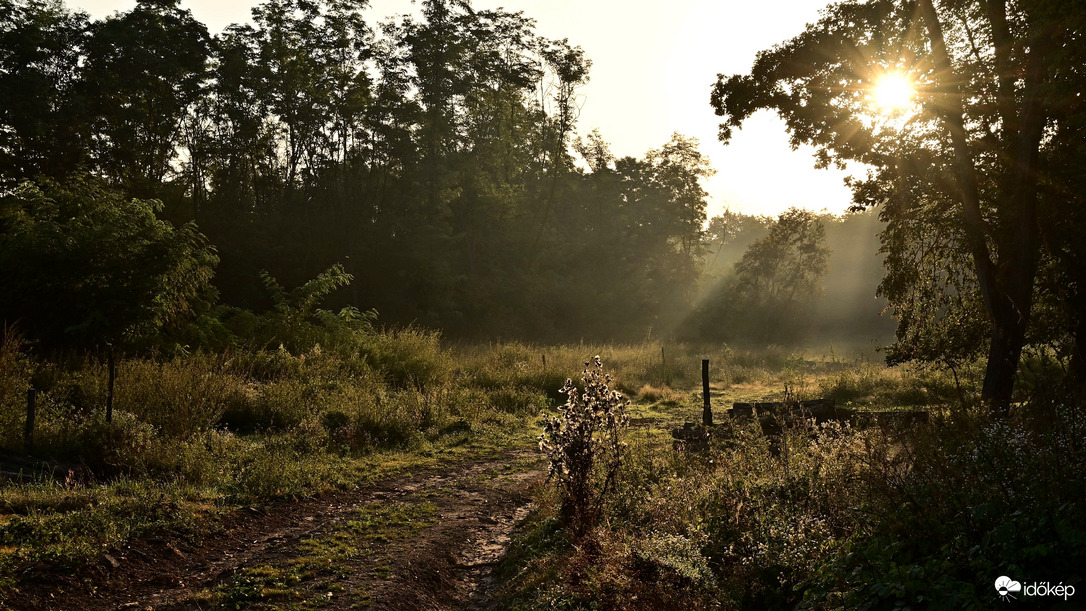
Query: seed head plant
x=583 y=443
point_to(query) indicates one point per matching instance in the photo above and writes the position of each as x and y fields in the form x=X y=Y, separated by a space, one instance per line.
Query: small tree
x=780 y=276
x=584 y=445
x=296 y=322
x=81 y=263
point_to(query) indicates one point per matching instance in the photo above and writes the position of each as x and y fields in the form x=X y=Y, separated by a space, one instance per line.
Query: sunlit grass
x=194 y=438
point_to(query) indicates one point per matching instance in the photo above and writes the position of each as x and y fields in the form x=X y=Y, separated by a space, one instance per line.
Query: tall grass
x=244 y=426
x=828 y=517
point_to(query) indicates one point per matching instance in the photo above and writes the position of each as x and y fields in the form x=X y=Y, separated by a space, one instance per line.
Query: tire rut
x=426 y=541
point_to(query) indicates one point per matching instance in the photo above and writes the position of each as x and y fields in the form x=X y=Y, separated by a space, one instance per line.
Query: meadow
x=829 y=516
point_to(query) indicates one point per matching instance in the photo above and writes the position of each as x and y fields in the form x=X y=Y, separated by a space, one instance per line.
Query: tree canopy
x=431 y=156
x=80 y=263
x=969 y=176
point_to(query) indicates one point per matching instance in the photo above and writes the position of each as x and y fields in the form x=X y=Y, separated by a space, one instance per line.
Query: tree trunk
x=1004 y=354
x=1077 y=369
x=1006 y=287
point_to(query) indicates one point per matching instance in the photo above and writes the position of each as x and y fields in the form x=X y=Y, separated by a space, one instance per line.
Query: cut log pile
x=773 y=415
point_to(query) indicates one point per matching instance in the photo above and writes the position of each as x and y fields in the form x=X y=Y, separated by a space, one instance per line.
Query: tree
x=678 y=168
x=81 y=263
x=43 y=127
x=991 y=80
x=779 y=276
x=144 y=69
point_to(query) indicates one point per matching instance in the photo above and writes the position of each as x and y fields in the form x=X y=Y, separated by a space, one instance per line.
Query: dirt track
x=426 y=541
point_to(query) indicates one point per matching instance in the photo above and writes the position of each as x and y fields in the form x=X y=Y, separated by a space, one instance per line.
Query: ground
x=427 y=540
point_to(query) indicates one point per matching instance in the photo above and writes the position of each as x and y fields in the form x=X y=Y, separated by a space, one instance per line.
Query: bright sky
x=653 y=64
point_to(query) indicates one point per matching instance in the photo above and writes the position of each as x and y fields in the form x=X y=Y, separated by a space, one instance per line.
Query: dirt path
x=427 y=541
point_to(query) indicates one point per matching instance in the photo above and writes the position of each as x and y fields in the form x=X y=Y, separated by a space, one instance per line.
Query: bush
x=952 y=510
x=15 y=375
x=81 y=262
x=179 y=397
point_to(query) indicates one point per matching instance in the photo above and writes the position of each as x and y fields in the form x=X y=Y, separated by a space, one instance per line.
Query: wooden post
x=544 y=362
x=28 y=438
x=707 y=410
x=109 y=389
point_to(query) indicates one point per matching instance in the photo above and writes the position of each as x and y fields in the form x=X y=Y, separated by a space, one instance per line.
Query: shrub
x=82 y=262
x=971 y=499
x=15 y=375
x=584 y=447
x=180 y=397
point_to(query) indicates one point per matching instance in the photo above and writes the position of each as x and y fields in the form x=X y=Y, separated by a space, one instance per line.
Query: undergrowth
x=824 y=516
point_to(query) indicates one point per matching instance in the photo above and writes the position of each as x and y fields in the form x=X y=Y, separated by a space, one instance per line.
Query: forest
x=314 y=253
x=434 y=161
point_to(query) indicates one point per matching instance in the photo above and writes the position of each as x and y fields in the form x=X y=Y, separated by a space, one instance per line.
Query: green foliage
x=296 y=323
x=829 y=516
x=929 y=284
x=180 y=397
x=780 y=274
x=409 y=358
x=143 y=70
x=70 y=526
x=41 y=111
x=80 y=264
x=775 y=285
x=981 y=498
x=15 y=374
x=195 y=435
x=429 y=157
x=584 y=446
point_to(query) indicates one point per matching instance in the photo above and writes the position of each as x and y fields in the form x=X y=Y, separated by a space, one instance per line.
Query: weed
x=584 y=445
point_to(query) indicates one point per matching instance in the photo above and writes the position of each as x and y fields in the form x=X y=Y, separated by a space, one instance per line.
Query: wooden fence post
x=109 y=389
x=707 y=410
x=28 y=437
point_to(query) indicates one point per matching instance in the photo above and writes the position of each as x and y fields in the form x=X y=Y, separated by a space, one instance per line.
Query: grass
x=829 y=517
x=832 y=517
x=313 y=576
x=195 y=437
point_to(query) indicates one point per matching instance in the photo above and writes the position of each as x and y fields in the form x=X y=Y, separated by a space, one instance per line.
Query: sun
x=893 y=92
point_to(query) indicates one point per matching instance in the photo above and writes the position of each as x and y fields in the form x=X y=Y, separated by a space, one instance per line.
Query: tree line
x=160 y=181
x=432 y=157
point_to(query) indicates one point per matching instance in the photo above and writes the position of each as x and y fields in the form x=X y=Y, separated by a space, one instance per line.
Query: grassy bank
x=819 y=517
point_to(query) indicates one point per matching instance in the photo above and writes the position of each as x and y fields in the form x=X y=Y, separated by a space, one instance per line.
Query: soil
x=451 y=527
